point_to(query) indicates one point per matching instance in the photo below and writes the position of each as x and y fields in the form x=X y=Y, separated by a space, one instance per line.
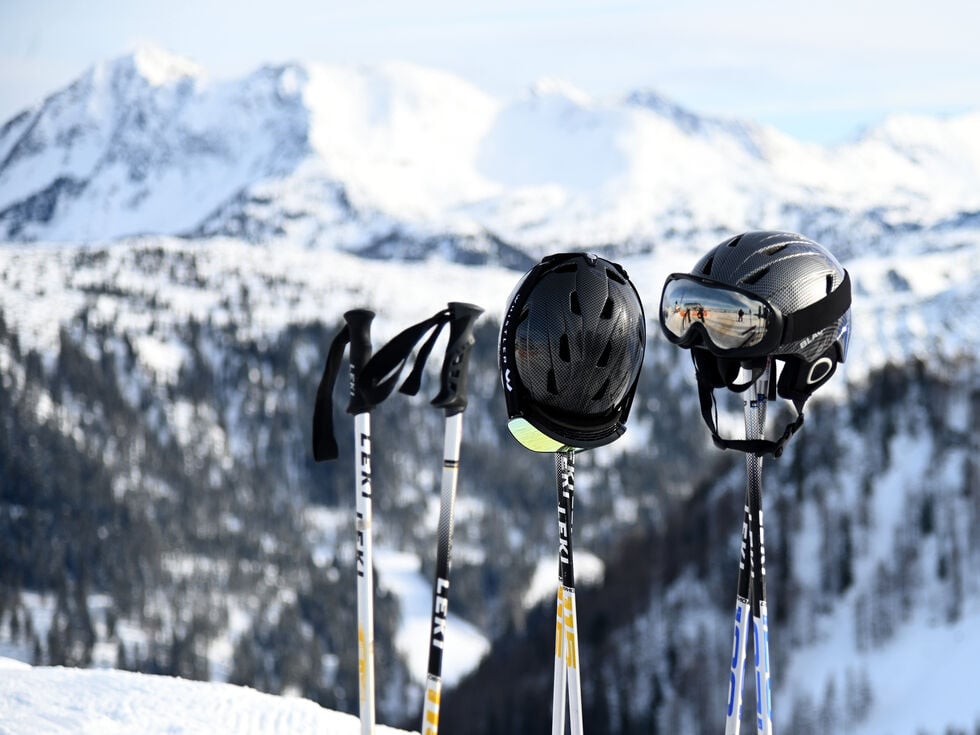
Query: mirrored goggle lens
x=532 y=438
x=731 y=320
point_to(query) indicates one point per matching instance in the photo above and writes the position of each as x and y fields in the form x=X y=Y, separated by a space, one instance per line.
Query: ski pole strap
x=324 y=443
x=758 y=447
x=383 y=370
x=414 y=380
x=357 y=333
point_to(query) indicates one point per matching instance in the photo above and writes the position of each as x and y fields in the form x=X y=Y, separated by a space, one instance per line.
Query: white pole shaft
x=571 y=662
x=365 y=571
x=437 y=634
x=430 y=709
x=763 y=712
x=558 y=696
x=736 y=684
x=755 y=425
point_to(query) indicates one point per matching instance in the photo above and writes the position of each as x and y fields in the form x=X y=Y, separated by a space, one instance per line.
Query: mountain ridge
x=148 y=144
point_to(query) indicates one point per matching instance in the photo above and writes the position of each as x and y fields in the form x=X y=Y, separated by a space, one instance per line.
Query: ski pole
x=378 y=379
x=356 y=332
x=452 y=399
x=751 y=597
x=742 y=610
x=755 y=420
x=359 y=322
x=566 y=623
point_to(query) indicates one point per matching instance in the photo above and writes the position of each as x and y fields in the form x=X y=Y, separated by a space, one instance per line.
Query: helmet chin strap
x=709 y=412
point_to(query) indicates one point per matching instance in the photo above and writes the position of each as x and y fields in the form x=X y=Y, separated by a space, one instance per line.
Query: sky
x=822 y=72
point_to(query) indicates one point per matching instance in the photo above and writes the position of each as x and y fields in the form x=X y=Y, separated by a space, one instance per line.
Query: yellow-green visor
x=533 y=438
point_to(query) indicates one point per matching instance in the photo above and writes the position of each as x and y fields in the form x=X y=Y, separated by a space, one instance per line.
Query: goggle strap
x=758 y=447
x=811 y=319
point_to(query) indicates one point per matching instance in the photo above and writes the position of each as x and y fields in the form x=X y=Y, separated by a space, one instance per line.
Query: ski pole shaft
x=440 y=597
x=736 y=683
x=560 y=682
x=755 y=420
x=572 y=662
x=452 y=399
x=365 y=572
x=569 y=654
x=359 y=324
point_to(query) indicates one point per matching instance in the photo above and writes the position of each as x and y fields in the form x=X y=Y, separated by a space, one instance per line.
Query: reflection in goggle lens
x=731 y=320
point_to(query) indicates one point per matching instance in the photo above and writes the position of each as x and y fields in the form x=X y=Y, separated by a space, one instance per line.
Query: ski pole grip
x=452 y=383
x=359 y=325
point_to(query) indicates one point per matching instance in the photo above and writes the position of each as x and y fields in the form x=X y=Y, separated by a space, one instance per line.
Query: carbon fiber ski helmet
x=570 y=352
x=761 y=295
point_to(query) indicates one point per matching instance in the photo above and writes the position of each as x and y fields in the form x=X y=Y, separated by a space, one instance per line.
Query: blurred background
x=191 y=196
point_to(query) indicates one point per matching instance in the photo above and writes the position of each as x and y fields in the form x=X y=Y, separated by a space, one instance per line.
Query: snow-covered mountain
x=369 y=159
x=178 y=253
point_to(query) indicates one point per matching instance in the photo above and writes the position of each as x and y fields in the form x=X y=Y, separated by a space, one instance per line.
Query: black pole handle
x=359 y=326
x=452 y=383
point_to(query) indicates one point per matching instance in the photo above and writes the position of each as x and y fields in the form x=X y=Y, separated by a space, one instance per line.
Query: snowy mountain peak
x=357 y=159
x=952 y=141
x=157 y=65
x=653 y=100
x=750 y=136
x=559 y=88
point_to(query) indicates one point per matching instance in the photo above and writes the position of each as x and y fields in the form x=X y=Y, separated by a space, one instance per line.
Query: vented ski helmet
x=757 y=296
x=570 y=352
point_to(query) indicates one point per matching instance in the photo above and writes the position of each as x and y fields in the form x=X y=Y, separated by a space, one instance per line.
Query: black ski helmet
x=570 y=352
x=793 y=305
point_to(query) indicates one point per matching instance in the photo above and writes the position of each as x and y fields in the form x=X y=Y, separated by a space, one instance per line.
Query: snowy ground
x=59 y=701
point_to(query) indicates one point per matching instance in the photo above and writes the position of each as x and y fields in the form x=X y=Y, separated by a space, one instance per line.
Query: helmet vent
x=552 y=383
x=602 y=390
x=735 y=241
x=607 y=309
x=563 y=352
x=614 y=276
x=574 y=304
x=707 y=266
x=776 y=249
x=756 y=277
x=830 y=282
x=604 y=357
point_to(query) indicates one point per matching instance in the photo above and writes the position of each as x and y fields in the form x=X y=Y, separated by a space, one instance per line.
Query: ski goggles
x=737 y=323
x=733 y=321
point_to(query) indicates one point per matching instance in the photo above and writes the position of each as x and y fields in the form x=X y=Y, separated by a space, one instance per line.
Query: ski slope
x=60 y=701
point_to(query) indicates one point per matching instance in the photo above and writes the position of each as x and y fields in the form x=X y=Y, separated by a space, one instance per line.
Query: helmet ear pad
x=799 y=377
x=717 y=372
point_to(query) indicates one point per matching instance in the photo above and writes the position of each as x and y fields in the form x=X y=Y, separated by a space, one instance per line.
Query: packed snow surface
x=59 y=701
